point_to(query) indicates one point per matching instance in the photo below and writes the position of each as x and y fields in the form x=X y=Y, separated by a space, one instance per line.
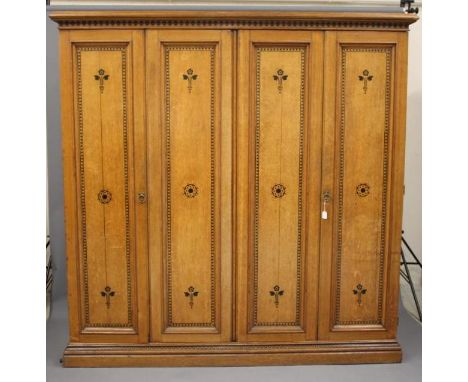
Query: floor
x=408 y=371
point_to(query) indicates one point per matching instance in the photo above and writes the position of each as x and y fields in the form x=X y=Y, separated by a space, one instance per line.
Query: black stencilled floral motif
x=107 y=293
x=191 y=294
x=104 y=196
x=359 y=291
x=278 y=190
x=276 y=293
x=363 y=190
x=365 y=77
x=279 y=77
x=189 y=77
x=101 y=77
x=190 y=191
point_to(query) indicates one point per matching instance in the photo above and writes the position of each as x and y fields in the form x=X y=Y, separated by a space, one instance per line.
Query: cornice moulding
x=232 y=20
x=241 y=3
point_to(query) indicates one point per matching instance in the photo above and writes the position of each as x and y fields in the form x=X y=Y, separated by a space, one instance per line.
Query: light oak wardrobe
x=233 y=186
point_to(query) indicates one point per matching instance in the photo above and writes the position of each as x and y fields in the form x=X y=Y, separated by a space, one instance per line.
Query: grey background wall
x=54 y=162
x=412 y=208
x=412 y=203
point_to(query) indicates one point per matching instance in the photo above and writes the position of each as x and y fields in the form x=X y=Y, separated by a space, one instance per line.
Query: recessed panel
x=364 y=157
x=277 y=261
x=191 y=161
x=104 y=161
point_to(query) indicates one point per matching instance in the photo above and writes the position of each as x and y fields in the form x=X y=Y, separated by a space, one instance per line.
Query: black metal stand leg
x=411 y=251
x=410 y=282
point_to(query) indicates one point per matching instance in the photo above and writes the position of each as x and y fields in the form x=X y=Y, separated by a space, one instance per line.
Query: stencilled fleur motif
x=107 y=293
x=101 y=77
x=279 y=77
x=189 y=77
x=365 y=77
x=191 y=294
x=276 y=293
x=359 y=291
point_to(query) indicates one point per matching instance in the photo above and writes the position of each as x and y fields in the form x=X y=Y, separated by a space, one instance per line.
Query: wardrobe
x=233 y=186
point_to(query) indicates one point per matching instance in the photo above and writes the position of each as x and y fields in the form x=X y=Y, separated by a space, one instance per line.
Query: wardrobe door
x=189 y=84
x=104 y=168
x=365 y=94
x=278 y=184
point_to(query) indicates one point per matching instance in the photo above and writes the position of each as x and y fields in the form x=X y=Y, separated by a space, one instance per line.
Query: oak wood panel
x=363 y=184
x=104 y=185
x=278 y=205
x=190 y=137
x=101 y=170
x=191 y=195
x=359 y=166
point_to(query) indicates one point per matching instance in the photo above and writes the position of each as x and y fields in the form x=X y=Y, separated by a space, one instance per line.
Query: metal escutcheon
x=141 y=197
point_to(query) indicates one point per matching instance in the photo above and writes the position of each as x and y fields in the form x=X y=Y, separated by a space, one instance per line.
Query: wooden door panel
x=362 y=184
x=190 y=186
x=107 y=170
x=275 y=192
x=104 y=172
x=189 y=262
x=360 y=262
x=279 y=157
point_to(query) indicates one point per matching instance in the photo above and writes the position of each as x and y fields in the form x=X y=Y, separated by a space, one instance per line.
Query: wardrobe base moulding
x=231 y=354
